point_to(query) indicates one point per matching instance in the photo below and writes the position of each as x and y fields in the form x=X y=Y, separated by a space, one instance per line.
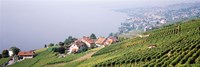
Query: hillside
x=172 y=45
x=176 y=45
x=50 y=59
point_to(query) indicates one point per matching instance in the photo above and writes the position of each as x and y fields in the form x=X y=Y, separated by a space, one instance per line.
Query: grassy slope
x=177 y=45
x=45 y=58
x=4 y=60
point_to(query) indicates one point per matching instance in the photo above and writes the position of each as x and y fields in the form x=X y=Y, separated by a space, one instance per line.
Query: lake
x=33 y=28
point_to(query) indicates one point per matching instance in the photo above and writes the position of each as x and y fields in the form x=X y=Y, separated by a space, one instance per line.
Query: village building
x=26 y=55
x=110 y=40
x=10 y=52
x=100 y=41
x=106 y=41
x=77 y=46
x=88 y=41
x=114 y=39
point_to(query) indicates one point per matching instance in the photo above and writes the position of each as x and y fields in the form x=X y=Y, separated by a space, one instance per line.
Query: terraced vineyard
x=175 y=45
x=169 y=46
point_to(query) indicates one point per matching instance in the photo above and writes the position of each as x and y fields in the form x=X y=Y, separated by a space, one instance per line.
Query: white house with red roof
x=88 y=41
x=26 y=55
x=100 y=41
x=77 y=46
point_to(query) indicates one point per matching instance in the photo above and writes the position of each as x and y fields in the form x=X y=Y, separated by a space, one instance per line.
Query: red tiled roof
x=26 y=53
x=100 y=40
x=79 y=43
x=113 y=38
x=110 y=41
x=88 y=39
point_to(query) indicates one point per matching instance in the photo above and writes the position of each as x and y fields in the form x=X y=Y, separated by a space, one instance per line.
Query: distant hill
x=171 y=45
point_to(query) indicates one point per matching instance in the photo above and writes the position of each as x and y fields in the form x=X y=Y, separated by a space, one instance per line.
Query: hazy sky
x=29 y=24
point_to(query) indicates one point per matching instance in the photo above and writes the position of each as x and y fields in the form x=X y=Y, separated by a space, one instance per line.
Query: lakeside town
x=148 y=18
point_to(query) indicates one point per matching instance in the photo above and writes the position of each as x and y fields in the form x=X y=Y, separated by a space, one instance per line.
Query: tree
x=50 y=45
x=15 y=50
x=70 y=37
x=93 y=36
x=60 y=50
x=61 y=44
x=45 y=46
x=5 y=53
x=69 y=40
x=0 y=56
x=111 y=34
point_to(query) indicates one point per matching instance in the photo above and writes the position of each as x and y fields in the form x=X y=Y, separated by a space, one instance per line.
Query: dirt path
x=85 y=57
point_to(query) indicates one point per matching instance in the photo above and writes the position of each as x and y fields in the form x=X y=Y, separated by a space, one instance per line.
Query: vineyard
x=175 y=45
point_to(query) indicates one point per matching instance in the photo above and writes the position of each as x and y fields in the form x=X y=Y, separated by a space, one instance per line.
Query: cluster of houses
x=79 y=45
x=86 y=42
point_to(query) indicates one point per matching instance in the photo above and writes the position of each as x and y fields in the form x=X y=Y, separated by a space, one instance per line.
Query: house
x=100 y=41
x=106 y=41
x=10 y=52
x=115 y=39
x=88 y=41
x=26 y=55
x=77 y=46
x=110 y=40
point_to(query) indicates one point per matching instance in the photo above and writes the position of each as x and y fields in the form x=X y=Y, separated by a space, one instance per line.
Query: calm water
x=29 y=24
x=32 y=29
